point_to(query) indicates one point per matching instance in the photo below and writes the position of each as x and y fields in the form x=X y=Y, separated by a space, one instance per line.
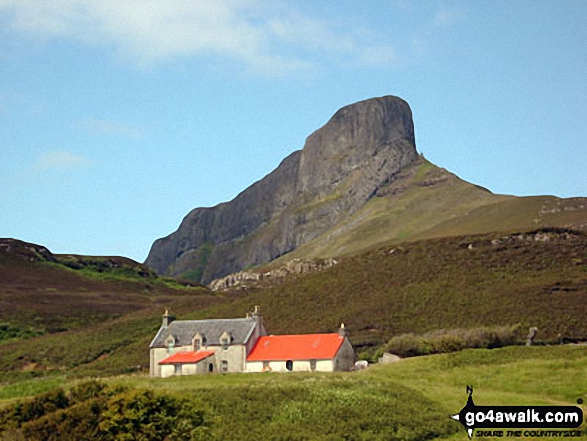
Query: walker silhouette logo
x=519 y=417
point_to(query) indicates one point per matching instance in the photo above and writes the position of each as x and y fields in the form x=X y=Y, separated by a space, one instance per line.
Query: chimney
x=167 y=319
x=257 y=316
x=342 y=331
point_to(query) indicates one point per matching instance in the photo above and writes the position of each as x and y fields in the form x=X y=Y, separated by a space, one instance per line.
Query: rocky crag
x=245 y=279
x=341 y=167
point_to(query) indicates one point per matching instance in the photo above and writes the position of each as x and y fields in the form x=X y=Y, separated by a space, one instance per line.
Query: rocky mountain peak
x=355 y=134
x=362 y=147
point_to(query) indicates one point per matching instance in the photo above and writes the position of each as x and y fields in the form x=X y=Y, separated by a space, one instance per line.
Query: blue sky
x=118 y=118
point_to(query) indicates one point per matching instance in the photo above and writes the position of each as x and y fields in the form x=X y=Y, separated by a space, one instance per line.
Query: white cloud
x=59 y=160
x=101 y=127
x=358 y=45
x=260 y=34
x=378 y=55
x=447 y=17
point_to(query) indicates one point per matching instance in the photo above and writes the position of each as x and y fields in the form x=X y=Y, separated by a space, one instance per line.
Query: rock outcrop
x=243 y=279
x=341 y=166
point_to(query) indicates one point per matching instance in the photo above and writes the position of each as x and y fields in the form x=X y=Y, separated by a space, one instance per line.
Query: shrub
x=77 y=422
x=146 y=416
x=441 y=341
x=39 y=406
x=86 y=391
x=408 y=345
x=9 y=332
x=446 y=343
x=94 y=411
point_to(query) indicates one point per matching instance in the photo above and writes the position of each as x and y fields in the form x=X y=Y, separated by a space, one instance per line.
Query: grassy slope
x=86 y=309
x=509 y=376
x=50 y=293
x=425 y=201
x=421 y=286
x=436 y=284
x=412 y=399
x=515 y=213
x=111 y=347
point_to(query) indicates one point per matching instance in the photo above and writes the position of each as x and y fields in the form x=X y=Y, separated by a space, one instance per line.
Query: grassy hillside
x=46 y=293
x=425 y=201
x=515 y=213
x=59 y=313
x=532 y=279
x=409 y=400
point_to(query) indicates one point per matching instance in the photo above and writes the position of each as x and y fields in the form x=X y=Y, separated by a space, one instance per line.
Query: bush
x=441 y=341
x=446 y=343
x=94 y=411
x=77 y=422
x=408 y=345
x=39 y=406
x=86 y=391
x=146 y=416
x=9 y=332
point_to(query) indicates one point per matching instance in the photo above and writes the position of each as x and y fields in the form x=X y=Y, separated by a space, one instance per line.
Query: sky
x=118 y=118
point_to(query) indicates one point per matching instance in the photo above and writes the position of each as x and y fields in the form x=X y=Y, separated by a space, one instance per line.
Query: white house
x=185 y=347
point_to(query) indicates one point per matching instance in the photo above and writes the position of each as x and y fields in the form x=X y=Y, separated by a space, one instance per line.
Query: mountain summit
x=342 y=165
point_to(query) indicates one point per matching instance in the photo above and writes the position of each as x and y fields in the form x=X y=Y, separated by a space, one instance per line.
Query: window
x=199 y=341
x=224 y=366
x=289 y=365
x=225 y=340
x=313 y=365
x=170 y=343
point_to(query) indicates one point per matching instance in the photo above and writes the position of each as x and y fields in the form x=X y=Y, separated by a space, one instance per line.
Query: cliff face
x=343 y=164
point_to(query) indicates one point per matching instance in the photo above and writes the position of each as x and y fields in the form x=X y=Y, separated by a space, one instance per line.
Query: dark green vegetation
x=530 y=279
x=452 y=340
x=409 y=400
x=92 y=411
x=307 y=408
x=45 y=293
x=81 y=310
x=8 y=332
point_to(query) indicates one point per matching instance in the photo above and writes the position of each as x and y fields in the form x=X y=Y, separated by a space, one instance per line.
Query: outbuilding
x=305 y=352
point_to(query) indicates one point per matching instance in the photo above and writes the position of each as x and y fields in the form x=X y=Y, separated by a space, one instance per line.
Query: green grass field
x=409 y=400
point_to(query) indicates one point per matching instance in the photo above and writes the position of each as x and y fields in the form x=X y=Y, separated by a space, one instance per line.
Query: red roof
x=187 y=357
x=296 y=347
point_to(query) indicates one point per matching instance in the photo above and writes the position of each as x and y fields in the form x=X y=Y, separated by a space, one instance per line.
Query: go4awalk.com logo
x=519 y=421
